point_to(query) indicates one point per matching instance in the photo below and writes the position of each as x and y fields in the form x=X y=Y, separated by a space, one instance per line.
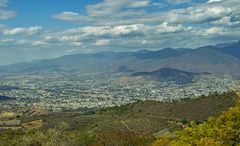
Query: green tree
x=221 y=131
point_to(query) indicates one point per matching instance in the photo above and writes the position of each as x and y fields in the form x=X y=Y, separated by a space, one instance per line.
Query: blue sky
x=33 y=29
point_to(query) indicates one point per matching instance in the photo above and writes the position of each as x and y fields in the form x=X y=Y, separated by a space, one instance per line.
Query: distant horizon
x=117 y=52
x=72 y=27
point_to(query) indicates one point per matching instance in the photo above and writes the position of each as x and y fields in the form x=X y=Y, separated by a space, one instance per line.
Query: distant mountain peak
x=220 y=59
x=232 y=49
x=169 y=74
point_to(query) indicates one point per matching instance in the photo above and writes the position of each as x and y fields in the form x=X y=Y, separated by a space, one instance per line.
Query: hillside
x=219 y=131
x=169 y=75
x=168 y=114
x=230 y=48
x=203 y=59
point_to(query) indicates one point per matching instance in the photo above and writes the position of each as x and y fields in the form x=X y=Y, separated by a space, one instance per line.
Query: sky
x=40 y=29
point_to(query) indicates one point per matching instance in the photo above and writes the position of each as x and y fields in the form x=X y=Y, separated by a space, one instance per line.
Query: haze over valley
x=82 y=81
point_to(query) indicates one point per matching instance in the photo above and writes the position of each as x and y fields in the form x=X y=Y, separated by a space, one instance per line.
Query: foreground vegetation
x=58 y=137
x=219 y=130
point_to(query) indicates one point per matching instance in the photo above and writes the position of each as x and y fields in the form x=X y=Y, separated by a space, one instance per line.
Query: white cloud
x=102 y=42
x=223 y=21
x=211 y=31
x=202 y=14
x=25 y=31
x=3 y=3
x=138 y=4
x=77 y=44
x=23 y=42
x=212 y=1
x=111 y=12
x=106 y=12
x=6 y=41
x=179 y=1
x=70 y=16
x=38 y=43
x=97 y=31
x=4 y=13
x=227 y=21
x=127 y=29
x=167 y=28
x=159 y=4
x=109 y=7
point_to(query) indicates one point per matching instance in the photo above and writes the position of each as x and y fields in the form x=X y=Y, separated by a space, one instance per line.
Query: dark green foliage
x=58 y=137
x=184 y=121
x=118 y=138
x=117 y=110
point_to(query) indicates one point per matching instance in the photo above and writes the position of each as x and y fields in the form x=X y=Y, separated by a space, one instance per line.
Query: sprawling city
x=97 y=91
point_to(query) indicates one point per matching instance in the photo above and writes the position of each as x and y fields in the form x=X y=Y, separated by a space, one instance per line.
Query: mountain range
x=220 y=59
x=169 y=75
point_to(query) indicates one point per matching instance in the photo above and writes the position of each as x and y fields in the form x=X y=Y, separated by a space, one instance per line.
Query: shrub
x=221 y=131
